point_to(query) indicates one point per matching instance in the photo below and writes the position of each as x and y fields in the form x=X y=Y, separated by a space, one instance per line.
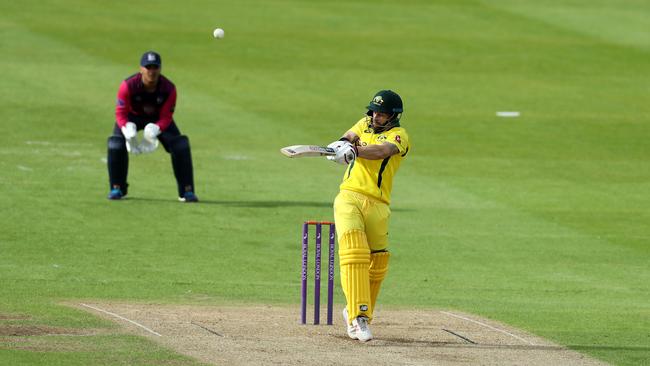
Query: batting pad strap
x=116 y=143
x=354 y=256
x=353 y=248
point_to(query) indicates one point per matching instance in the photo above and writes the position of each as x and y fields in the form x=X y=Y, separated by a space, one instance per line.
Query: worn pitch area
x=264 y=335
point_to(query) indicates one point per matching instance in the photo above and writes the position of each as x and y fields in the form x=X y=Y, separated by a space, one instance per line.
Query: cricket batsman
x=146 y=101
x=373 y=150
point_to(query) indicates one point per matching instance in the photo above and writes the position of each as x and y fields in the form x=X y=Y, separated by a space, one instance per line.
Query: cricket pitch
x=264 y=335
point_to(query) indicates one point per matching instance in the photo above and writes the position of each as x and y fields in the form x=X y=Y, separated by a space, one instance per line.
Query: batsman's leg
x=378 y=269
x=354 y=259
x=376 y=222
x=118 y=164
x=354 y=253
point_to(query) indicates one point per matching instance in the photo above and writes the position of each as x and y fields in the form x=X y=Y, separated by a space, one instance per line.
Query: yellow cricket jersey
x=375 y=177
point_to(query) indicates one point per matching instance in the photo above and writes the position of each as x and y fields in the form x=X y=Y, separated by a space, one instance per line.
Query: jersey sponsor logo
x=363 y=307
x=159 y=100
x=398 y=139
x=120 y=103
x=381 y=137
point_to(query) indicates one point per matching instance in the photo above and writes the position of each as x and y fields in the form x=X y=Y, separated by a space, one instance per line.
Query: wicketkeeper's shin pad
x=354 y=259
x=378 y=269
x=117 y=161
x=182 y=164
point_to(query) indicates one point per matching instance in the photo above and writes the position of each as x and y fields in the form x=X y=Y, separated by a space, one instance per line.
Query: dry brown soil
x=265 y=335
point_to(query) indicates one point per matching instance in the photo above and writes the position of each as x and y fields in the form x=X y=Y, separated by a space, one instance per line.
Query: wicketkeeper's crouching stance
x=373 y=150
x=146 y=101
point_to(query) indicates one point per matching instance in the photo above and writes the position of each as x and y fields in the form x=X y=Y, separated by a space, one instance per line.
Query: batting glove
x=336 y=145
x=151 y=132
x=345 y=154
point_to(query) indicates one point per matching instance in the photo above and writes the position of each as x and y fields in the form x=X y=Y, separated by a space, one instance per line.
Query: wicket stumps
x=317 y=271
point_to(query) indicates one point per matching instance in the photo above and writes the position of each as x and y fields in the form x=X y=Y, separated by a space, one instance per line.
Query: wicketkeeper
x=146 y=101
x=373 y=150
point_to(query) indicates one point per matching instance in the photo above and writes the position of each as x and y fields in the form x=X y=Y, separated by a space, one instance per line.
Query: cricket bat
x=301 y=151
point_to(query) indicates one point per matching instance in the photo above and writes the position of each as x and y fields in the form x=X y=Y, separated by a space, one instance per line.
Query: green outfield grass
x=539 y=221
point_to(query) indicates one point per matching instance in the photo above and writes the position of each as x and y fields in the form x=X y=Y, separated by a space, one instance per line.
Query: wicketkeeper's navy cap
x=150 y=58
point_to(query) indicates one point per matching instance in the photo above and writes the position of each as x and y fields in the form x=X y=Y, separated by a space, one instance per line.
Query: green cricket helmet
x=386 y=101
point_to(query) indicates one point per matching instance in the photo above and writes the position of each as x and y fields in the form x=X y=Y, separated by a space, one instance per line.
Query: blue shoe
x=189 y=197
x=115 y=194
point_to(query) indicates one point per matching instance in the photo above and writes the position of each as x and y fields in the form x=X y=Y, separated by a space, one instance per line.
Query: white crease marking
x=488 y=326
x=123 y=318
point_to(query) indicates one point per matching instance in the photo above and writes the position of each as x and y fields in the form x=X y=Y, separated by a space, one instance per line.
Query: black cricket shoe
x=116 y=193
x=189 y=197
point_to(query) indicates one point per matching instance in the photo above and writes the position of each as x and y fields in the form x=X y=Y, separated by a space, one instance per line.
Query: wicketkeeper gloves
x=151 y=132
x=149 y=142
x=130 y=132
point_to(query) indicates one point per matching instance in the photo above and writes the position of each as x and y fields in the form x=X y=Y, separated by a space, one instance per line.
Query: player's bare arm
x=371 y=152
x=377 y=152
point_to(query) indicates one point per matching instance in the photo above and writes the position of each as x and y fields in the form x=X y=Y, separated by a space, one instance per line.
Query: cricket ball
x=218 y=33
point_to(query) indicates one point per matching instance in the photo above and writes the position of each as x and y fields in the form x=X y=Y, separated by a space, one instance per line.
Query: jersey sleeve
x=358 y=127
x=399 y=138
x=123 y=105
x=167 y=111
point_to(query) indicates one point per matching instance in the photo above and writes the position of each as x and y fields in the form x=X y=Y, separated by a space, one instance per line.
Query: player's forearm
x=376 y=152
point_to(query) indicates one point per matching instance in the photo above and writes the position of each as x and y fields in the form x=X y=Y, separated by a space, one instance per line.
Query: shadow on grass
x=256 y=204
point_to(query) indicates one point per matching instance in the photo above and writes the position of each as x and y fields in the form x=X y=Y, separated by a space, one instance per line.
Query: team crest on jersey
x=378 y=100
